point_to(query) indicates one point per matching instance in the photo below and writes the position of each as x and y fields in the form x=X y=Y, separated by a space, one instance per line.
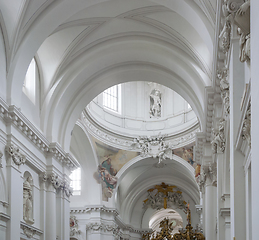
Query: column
x=51 y=218
x=220 y=204
x=210 y=200
x=63 y=209
x=15 y=190
x=237 y=179
x=43 y=189
x=255 y=114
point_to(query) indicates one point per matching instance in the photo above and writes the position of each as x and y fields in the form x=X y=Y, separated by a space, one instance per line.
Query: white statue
x=28 y=201
x=155 y=103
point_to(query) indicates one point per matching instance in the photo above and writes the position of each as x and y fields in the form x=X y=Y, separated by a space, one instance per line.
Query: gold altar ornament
x=166 y=230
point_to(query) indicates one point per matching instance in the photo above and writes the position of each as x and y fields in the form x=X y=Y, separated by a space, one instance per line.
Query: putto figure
x=155 y=103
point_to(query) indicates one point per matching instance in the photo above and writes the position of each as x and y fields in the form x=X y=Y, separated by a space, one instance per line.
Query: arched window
x=29 y=85
x=76 y=181
x=111 y=98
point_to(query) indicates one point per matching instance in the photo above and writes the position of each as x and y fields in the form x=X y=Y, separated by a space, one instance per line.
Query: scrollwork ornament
x=17 y=157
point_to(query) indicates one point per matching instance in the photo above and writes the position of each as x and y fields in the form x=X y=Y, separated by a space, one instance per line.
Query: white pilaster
x=51 y=212
x=237 y=179
x=255 y=115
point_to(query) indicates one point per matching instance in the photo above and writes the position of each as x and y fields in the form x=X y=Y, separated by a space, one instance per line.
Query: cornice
x=93 y=208
x=29 y=230
x=12 y=115
x=125 y=142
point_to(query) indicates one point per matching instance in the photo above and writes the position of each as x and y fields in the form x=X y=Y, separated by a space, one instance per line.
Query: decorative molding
x=224 y=212
x=124 y=142
x=11 y=114
x=14 y=153
x=94 y=208
x=4 y=217
x=218 y=142
x=30 y=231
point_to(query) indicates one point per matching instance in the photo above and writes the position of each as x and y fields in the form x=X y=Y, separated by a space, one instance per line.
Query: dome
x=141 y=108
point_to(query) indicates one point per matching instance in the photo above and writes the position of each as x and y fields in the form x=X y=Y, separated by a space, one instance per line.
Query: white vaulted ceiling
x=83 y=47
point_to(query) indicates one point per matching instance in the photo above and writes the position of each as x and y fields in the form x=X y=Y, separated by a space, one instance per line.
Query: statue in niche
x=155 y=103
x=27 y=201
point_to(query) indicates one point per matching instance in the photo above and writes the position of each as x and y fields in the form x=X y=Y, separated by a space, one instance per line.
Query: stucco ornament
x=153 y=146
x=64 y=186
x=28 y=231
x=209 y=173
x=28 y=201
x=54 y=181
x=74 y=226
x=224 y=88
x=218 y=138
x=242 y=20
x=246 y=129
x=155 y=103
x=237 y=13
x=17 y=157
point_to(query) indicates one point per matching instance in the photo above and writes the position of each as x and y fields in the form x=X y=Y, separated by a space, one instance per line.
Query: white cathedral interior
x=129 y=119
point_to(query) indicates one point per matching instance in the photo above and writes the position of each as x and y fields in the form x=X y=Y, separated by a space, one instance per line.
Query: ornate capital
x=218 y=138
x=13 y=152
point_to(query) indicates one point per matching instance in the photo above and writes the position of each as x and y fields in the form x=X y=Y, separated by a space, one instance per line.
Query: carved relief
x=153 y=146
x=155 y=103
x=209 y=174
x=74 y=226
x=218 y=136
x=17 y=157
x=246 y=129
x=242 y=20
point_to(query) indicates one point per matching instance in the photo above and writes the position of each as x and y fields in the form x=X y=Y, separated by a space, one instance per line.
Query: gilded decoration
x=164 y=196
x=166 y=231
